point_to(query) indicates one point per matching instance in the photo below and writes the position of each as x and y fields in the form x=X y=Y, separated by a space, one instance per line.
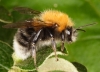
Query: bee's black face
x=70 y=34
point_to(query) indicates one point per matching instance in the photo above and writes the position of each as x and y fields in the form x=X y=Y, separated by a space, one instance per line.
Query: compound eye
x=68 y=33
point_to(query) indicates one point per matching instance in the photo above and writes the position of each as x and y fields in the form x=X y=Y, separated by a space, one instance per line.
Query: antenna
x=80 y=28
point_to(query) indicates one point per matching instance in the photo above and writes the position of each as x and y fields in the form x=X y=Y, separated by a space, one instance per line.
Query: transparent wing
x=26 y=10
x=27 y=24
x=21 y=24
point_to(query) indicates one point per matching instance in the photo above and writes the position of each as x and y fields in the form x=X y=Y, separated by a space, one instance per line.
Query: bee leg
x=34 y=54
x=62 y=45
x=53 y=45
x=33 y=47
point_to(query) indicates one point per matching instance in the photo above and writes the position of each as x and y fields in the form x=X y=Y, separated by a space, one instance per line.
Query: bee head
x=71 y=34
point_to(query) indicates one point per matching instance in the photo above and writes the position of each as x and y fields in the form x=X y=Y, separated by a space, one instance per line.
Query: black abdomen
x=23 y=36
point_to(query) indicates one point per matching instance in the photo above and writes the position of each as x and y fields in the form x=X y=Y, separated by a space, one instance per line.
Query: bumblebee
x=45 y=28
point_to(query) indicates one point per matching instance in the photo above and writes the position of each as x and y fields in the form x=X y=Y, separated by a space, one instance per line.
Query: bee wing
x=28 y=24
x=25 y=10
x=21 y=24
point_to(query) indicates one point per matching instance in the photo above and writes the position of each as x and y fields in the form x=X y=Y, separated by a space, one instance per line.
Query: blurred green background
x=87 y=47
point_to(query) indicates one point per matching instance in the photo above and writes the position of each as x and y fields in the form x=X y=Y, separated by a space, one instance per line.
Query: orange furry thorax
x=53 y=16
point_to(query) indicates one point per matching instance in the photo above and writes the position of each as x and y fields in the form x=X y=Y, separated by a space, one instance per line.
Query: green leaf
x=5 y=57
x=42 y=54
x=6 y=35
x=52 y=65
x=86 y=51
x=80 y=67
x=5 y=15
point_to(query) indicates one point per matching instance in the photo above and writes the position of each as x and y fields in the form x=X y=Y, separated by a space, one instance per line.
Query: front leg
x=63 y=42
x=62 y=38
x=32 y=45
